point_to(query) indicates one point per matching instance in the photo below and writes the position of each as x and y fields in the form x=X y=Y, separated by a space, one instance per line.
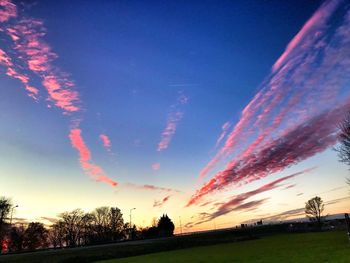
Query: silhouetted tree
x=36 y=236
x=116 y=223
x=87 y=229
x=57 y=234
x=108 y=224
x=344 y=138
x=16 y=238
x=314 y=209
x=150 y=232
x=101 y=223
x=5 y=210
x=72 y=222
x=165 y=226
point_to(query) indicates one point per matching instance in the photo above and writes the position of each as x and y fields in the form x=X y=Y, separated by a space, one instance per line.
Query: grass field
x=308 y=247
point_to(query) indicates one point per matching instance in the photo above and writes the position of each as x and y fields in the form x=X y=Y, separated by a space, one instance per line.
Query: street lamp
x=130 y=221
x=12 y=213
x=180 y=225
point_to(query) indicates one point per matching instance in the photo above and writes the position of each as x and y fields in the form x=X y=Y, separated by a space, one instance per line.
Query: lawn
x=308 y=247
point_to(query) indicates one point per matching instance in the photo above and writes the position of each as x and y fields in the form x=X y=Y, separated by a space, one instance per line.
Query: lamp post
x=130 y=222
x=180 y=225
x=12 y=213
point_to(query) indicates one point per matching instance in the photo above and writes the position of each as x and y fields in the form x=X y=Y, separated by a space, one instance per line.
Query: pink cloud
x=30 y=48
x=161 y=202
x=7 y=10
x=174 y=117
x=224 y=130
x=297 y=144
x=319 y=19
x=156 y=166
x=239 y=202
x=311 y=78
x=6 y=61
x=91 y=169
x=311 y=75
x=106 y=141
x=242 y=197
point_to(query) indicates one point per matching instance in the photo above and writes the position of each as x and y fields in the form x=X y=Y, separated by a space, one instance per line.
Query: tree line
x=74 y=228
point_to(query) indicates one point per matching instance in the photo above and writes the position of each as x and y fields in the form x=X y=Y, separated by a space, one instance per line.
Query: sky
x=214 y=112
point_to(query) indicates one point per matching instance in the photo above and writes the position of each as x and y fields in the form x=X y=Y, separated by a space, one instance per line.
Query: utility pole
x=12 y=213
x=130 y=223
x=180 y=225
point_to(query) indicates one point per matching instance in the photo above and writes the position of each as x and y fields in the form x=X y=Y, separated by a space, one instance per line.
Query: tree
x=116 y=223
x=16 y=238
x=165 y=226
x=5 y=209
x=344 y=138
x=57 y=234
x=36 y=236
x=314 y=209
x=72 y=222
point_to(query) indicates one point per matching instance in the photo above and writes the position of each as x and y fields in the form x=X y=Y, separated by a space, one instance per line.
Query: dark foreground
x=306 y=247
x=231 y=246
x=127 y=249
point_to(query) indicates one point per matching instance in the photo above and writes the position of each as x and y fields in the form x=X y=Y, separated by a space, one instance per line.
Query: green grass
x=309 y=247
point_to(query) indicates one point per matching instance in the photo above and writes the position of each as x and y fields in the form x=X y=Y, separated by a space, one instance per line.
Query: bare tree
x=314 y=209
x=73 y=226
x=344 y=138
x=108 y=223
x=57 y=234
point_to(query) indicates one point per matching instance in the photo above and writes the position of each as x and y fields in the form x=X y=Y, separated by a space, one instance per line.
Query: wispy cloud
x=160 y=203
x=90 y=168
x=30 y=50
x=224 y=130
x=289 y=186
x=174 y=117
x=30 y=53
x=305 y=96
x=7 y=10
x=150 y=187
x=318 y=21
x=6 y=61
x=106 y=142
x=156 y=166
x=288 y=214
x=244 y=206
x=239 y=202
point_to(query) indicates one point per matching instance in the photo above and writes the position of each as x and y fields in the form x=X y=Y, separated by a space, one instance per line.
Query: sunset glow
x=203 y=112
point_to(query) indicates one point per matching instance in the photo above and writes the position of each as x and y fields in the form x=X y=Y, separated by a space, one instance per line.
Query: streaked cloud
x=86 y=163
x=318 y=20
x=294 y=106
x=150 y=187
x=30 y=49
x=6 y=61
x=156 y=166
x=106 y=142
x=174 y=117
x=7 y=10
x=239 y=202
x=289 y=186
x=224 y=130
x=160 y=203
